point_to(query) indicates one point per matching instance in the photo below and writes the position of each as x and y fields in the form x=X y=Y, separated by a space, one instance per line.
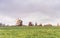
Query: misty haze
x=40 y=11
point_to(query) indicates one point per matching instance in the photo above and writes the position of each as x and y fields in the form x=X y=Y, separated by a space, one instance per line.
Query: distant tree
x=35 y=23
x=48 y=25
x=0 y=24
x=40 y=24
x=58 y=24
x=3 y=25
x=30 y=24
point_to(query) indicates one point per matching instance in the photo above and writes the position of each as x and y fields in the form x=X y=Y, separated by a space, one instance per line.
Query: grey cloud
x=22 y=8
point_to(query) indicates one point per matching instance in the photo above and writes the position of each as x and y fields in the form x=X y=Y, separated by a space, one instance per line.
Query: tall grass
x=29 y=32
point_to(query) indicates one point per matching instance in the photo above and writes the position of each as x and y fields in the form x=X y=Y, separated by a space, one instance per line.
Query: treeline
x=31 y=24
x=19 y=22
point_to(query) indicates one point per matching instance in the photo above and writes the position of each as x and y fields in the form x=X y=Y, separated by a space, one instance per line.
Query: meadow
x=29 y=32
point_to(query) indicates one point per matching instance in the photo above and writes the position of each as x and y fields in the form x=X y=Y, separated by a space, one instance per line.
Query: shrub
x=30 y=24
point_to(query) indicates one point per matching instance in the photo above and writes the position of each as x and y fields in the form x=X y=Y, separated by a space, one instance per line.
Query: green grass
x=30 y=32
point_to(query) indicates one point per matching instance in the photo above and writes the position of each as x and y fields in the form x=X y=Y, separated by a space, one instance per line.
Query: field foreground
x=30 y=32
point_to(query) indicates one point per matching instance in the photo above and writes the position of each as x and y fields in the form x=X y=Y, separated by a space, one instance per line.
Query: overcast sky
x=40 y=11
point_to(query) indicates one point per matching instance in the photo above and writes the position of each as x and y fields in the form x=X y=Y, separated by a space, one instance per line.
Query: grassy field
x=30 y=32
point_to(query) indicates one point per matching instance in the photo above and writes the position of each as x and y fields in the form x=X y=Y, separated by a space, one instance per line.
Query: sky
x=40 y=11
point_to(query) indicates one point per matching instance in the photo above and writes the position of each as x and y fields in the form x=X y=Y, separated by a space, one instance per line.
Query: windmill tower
x=19 y=22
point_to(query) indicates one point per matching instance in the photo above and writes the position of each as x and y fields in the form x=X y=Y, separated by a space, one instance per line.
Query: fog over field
x=40 y=11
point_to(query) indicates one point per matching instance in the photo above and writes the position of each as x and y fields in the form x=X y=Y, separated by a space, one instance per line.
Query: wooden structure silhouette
x=19 y=22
